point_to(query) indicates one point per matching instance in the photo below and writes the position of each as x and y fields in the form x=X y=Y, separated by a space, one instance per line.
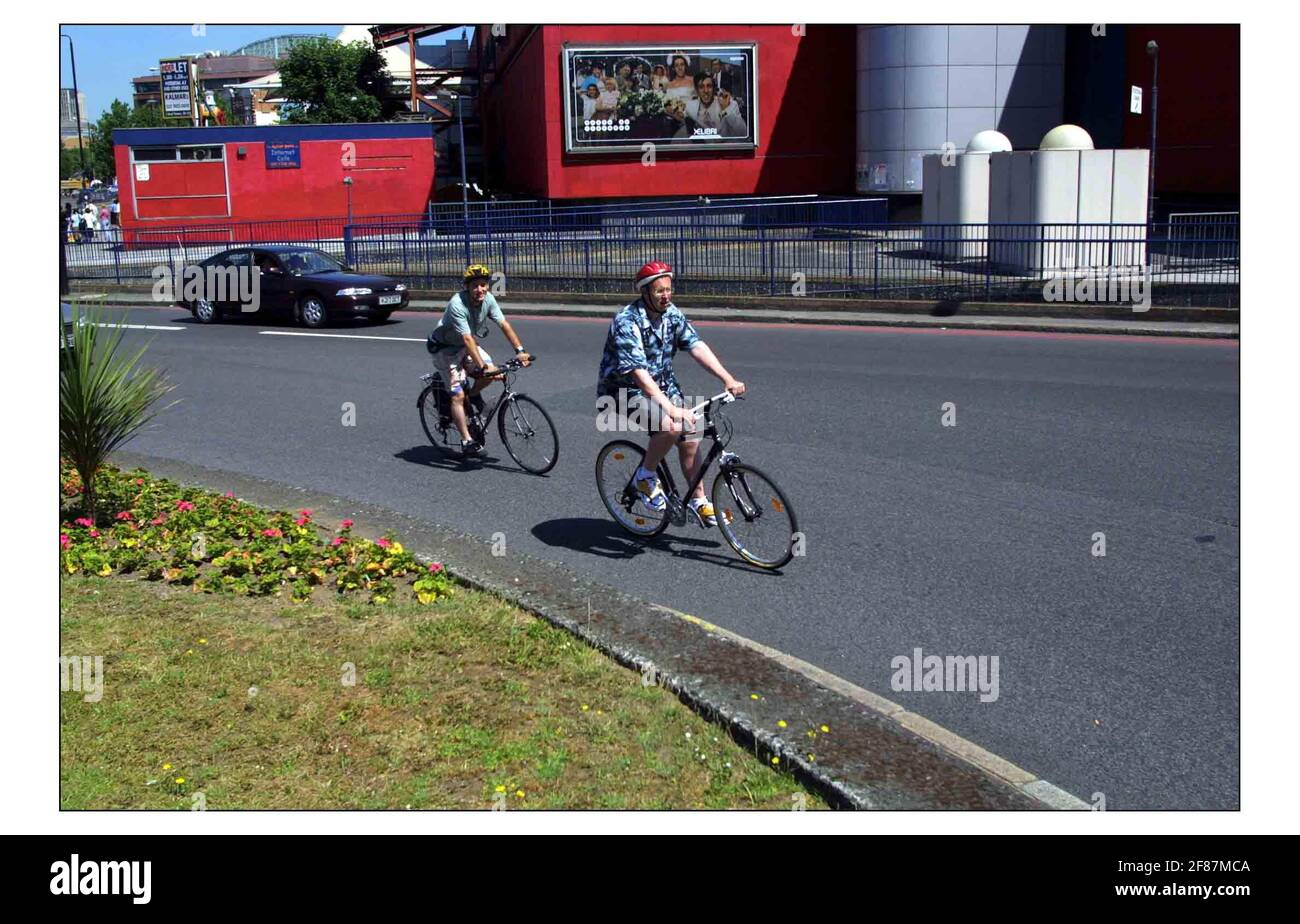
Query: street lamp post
x=1153 y=50
x=76 y=103
x=464 y=184
x=347 y=230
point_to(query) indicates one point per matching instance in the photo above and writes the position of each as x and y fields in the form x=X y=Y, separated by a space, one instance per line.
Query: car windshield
x=306 y=262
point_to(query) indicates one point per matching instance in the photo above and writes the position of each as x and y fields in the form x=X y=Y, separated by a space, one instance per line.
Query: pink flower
x=124 y=515
x=158 y=520
x=301 y=521
x=184 y=505
x=272 y=532
x=64 y=541
x=94 y=534
x=84 y=521
x=139 y=481
x=383 y=543
x=347 y=524
x=434 y=567
x=228 y=494
x=338 y=540
x=305 y=513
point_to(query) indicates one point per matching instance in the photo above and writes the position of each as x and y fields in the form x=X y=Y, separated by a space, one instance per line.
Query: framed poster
x=679 y=97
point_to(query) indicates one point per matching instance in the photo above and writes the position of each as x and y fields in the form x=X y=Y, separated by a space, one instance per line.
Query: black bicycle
x=754 y=515
x=524 y=426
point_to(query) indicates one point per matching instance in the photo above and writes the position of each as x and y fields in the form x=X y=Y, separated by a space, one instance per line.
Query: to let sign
x=283 y=155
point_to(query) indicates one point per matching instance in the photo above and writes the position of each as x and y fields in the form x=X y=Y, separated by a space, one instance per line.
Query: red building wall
x=1198 y=147
x=391 y=166
x=806 y=126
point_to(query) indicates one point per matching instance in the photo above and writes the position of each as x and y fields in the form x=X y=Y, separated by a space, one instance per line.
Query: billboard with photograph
x=618 y=97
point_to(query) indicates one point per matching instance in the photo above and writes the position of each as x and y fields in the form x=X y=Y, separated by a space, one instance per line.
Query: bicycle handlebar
x=726 y=398
x=509 y=365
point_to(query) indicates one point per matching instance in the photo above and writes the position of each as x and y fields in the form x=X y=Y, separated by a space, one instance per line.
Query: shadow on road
x=436 y=458
x=606 y=539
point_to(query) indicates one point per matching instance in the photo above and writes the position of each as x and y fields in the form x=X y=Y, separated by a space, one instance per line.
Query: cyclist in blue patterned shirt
x=637 y=367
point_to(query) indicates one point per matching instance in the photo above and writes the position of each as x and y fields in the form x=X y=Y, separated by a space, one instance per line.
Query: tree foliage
x=327 y=81
x=99 y=146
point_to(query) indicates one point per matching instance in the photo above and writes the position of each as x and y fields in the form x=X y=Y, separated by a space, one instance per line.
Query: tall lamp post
x=76 y=102
x=1153 y=50
x=464 y=184
x=347 y=230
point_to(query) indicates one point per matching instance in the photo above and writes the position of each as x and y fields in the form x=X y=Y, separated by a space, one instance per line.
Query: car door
x=229 y=301
x=274 y=288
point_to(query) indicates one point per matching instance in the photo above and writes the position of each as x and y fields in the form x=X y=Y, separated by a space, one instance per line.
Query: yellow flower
x=519 y=793
x=179 y=780
x=780 y=723
x=167 y=766
x=776 y=760
x=585 y=707
x=105 y=571
x=190 y=651
x=203 y=641
x=825 y=728
x=501 y=789
x=811 y=759
x=753 y=696
x=396 y=548
x=811 y=733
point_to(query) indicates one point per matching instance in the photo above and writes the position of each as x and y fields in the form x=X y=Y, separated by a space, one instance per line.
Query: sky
x=108 y=57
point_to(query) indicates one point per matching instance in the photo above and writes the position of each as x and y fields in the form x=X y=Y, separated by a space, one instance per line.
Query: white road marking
x=292 y=333
x=141 y=327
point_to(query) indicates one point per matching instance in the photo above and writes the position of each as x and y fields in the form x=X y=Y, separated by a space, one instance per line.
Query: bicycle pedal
x=676 y=512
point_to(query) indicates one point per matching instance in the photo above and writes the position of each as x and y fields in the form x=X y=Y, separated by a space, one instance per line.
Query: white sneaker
x=704 y=510
x=647 y=486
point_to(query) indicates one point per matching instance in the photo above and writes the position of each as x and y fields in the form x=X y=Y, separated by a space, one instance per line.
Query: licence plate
x=390 y=299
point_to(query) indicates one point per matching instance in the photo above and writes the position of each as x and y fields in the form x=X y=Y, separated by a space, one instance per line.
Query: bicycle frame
x=716 y=453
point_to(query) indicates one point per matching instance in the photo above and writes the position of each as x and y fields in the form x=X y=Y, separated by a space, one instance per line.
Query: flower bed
x=219 y=544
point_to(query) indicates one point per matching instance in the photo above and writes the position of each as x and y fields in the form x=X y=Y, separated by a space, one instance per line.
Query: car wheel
x=311 y=311
x=205 y=312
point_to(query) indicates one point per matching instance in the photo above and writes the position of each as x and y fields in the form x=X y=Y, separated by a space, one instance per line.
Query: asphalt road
x=1117 y=674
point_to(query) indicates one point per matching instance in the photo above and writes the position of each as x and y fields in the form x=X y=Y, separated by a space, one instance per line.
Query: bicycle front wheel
x=615 y=466
x=754 y=515
x=528 y=434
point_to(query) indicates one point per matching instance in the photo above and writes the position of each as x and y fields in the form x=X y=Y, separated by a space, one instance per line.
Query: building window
x=154 y=154
x=202 y=152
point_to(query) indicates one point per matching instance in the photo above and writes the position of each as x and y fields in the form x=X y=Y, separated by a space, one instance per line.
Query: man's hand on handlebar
x=683 y=415
x=736 y=388
x=525 y=359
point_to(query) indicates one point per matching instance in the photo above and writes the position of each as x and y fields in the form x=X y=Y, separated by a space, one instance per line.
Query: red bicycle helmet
x=652 y=271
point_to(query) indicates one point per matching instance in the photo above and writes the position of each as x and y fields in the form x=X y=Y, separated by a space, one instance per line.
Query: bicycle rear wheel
x=754 y=515
x=616 y=463
x=528 y=434
x=445 y=439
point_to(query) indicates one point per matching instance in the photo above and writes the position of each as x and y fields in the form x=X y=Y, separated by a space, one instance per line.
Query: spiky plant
x=104 y=398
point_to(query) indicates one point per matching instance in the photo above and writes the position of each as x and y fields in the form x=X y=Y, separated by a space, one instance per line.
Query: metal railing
x=724 y=252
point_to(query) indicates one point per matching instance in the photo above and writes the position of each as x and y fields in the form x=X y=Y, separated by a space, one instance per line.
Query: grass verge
x=244 y=702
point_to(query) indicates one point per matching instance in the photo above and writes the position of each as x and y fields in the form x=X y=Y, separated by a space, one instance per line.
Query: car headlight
x=354 y=292
x=399 y=288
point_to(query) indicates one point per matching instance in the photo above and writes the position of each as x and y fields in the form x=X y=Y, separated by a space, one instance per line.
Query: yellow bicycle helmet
x=475 y=271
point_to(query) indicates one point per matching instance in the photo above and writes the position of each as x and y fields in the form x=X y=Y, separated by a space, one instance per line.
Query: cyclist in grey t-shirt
x=455 y=349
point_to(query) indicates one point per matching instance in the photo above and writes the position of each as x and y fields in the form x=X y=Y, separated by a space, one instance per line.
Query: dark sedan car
x=297 y=283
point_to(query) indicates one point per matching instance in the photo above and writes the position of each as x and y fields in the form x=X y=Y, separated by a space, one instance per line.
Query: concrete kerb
x=1214 y=323
x=878 y=755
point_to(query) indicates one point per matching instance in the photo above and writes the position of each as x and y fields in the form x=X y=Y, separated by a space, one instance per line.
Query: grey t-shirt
x=461 y=318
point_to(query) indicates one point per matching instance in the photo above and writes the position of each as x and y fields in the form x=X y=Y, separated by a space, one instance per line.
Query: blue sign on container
x=283 y=155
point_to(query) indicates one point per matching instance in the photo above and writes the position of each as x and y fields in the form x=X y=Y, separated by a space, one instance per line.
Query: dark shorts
x=628 y=409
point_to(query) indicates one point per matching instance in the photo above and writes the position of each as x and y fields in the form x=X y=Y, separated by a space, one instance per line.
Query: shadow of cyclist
x=606 y=539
